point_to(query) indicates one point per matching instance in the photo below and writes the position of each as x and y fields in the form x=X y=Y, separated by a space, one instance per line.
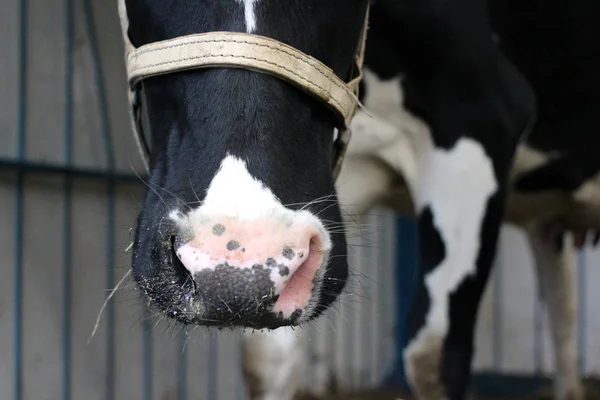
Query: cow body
x=477 y=107
x=240 y=226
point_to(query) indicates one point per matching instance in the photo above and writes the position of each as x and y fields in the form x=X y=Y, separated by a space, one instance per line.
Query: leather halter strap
x=247 y=51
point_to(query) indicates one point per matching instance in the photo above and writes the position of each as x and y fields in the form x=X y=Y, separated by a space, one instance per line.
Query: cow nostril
x=184 y=275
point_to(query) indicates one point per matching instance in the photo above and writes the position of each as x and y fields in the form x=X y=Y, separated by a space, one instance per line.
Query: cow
x=553 y=181
x=240 y=225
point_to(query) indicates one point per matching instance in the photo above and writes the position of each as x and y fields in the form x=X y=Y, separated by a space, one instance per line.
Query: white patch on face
x=243 y=204
x=456 y=184
x=250 y=14
x=233 y=192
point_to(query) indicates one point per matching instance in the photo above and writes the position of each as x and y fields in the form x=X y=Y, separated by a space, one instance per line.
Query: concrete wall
x=133 y=356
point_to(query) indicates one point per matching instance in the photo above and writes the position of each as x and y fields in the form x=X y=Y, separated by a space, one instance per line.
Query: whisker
x=112 y=293
x=155 y=191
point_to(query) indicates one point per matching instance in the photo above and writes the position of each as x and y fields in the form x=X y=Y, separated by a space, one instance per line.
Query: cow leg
x=553 y=260
x=272 y=363
x=459 y=195
x=459 y=210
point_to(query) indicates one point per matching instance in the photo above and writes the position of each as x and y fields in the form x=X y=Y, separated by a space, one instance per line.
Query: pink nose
x=260 y=264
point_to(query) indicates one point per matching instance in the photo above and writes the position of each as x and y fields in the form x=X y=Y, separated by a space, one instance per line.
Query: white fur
x=457 y=185
x=273 y=362
x=250 y=14
x=233 y=192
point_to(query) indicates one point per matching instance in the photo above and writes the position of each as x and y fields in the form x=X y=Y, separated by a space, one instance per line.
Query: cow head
x=241 y=225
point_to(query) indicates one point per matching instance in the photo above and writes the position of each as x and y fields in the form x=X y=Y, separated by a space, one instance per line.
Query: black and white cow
x=241 y=225
x=554 y=176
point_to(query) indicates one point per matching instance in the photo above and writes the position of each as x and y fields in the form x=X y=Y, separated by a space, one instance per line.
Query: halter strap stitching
x=345 y=111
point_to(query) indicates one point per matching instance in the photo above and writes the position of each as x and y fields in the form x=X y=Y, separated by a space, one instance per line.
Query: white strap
x=243 y=50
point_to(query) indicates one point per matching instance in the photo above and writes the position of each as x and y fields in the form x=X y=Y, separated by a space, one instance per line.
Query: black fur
x=554 y=44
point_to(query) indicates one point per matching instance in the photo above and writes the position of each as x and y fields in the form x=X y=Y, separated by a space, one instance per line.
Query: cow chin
x=239 y=260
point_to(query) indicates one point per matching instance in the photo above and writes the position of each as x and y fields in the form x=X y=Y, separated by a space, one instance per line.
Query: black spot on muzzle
x=233 y=296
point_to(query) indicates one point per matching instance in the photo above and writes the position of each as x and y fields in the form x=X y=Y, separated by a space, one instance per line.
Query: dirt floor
x=592 y=393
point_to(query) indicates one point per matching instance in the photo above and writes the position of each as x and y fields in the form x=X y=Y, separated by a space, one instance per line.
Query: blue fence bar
x=20 y=197
x=100 y=85
x=110 y=282
x=30 y=167
x=538 y=344
x=497 y=310
x=407 y=270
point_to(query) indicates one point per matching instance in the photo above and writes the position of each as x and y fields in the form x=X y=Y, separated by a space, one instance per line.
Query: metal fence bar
x=100 y=85
x=407 y=271
x=498 y=319
x=147 y=355
x=387 y=297
x=68 y=202
x=538 y=323
x=18 y=284
x=582 y=300
x=538 y=327
x=27 y=167
x=182 y=366
x=20 y=195
x=212 y=390
x=241 y=392
x=110 y=281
